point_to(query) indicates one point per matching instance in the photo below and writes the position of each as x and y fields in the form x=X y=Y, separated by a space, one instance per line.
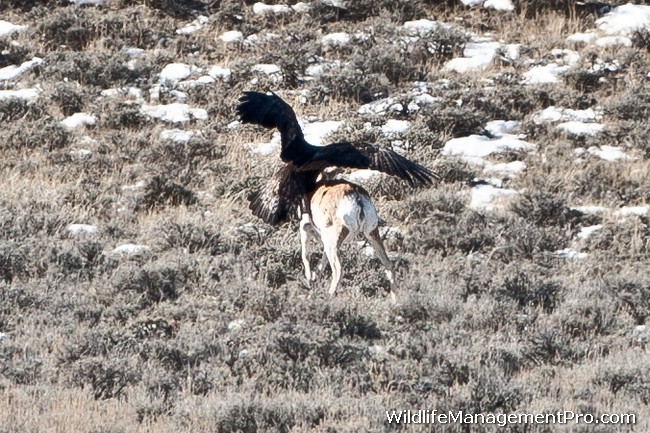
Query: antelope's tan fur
x=340 y=212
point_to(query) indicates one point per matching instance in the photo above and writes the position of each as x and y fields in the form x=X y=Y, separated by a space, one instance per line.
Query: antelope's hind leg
x=375 y=241
x=306 y=228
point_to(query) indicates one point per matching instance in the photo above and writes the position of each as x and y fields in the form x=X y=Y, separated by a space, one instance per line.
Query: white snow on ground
x=175 y=112
x=81 y=153
x=88 y=2
x=12 y=72
x=301 y=7
x=316 y=132
x=336 y=39
x=78 y=119
x=138 y=185
x=394 y=127
x=232 y=36
x=178 y=135
x=500 y=5
x=625 y=20
x=585 y=232
x=544 y=74
x=554 y=114
x=477 y=56
x=273 y=71
x=76 y=229
x=505 y=167
x=134 y=52
x=591 y=209
x=423 y=27
x=361 y=176
x=201 y=81
x=488 y=197
x=582 y=37
x=174 y=72
x=500 y=127
x=132 y=92
x=27 y=94
x=219 y=72
x=610 y=153
x=381 y=106
x=316 y=69
x=581 y=129
x=194 y=26
x=268 y=69
x=570 y=253
x=6 y=28
x=541 y=74
x=475 y=148
x=632 y=210
x=261 y=8
x=131 y=249
x=609 y=41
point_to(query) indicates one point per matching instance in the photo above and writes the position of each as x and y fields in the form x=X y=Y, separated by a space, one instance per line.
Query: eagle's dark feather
x=275 y=201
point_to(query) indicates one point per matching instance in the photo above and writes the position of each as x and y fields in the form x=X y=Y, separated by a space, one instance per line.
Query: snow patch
x=610 y=153
x=361 y=176
x=88 y=2
x=78 y=119
x=582 y=37
x=500 y=5
x=232 y=36
x=381 y=106
x=632 y=210
x=178 y=135
x=591 y=209
x=488 y=197
x=12 y=72
x=132 y=92
x=625 y=20
x=77 y=229
x=174 y=72
x=194 y=26
x=175 y=112
x=27 y=94
x=571 y=254
x=219 y=72
x=581 y=129
x=131 y=249
x=394 y=127
x=585 y=232
x=316 y=132
x=554 y=114
x=477 y=56
x=7 y=28
x=475 y=148
x=498 y=128
x=261 y=8
x=340 y=39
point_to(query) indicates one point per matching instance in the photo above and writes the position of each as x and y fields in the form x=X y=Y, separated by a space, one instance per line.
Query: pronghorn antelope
x=341 y=211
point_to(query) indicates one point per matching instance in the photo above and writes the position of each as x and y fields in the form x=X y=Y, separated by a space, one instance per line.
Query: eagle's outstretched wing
x=365 y=155
x=276 y=200
x=271 y=111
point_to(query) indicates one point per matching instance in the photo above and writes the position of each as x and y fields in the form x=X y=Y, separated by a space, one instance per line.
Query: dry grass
x=213 y=329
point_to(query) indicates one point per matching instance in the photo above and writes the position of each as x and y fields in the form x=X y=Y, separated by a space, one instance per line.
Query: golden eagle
x=290 y=187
